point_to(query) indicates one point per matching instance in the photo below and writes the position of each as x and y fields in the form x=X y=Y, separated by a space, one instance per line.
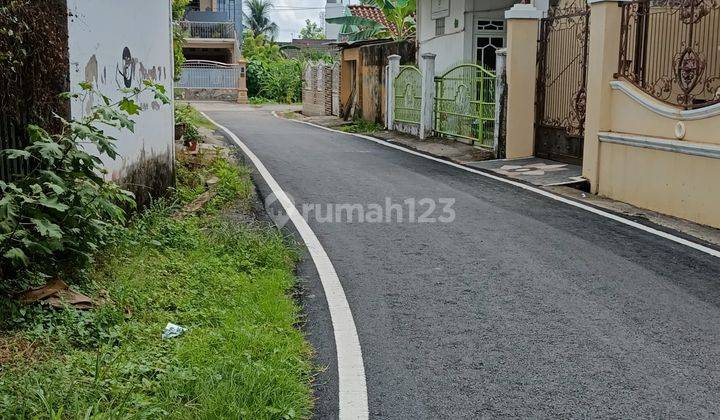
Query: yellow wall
x=521 y=71
x=630 y=117
x=669 y=182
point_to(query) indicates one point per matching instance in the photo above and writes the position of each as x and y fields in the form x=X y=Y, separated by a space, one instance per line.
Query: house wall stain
x=115 y=48
x=149 y=177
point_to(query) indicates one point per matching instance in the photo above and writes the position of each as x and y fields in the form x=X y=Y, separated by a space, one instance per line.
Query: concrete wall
x=333 y=10
x=451 y=48
x=456 y=46
x=640 y=150
x=672 y=181
x=321 y=93
x=113 y=46
x=369 y=62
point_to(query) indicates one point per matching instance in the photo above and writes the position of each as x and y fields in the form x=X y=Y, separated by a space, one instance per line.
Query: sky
x=290 y=16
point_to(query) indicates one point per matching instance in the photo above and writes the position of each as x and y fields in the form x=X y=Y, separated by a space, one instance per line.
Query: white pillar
x=427 y=103
x=501 y=58
x=393 y=72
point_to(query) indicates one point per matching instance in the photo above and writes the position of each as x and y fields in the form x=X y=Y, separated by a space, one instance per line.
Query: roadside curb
x=671 y=235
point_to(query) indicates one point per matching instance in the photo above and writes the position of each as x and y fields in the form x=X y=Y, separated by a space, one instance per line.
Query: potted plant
x=191 y=138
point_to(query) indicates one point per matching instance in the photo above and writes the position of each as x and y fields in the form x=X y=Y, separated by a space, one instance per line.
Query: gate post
x=500 y=88
x=242 y=82
x=427 y=103
x=393 y=71
x=603 y=59
x=522 y=37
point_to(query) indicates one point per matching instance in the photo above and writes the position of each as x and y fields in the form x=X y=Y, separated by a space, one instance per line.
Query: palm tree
x=257 y=18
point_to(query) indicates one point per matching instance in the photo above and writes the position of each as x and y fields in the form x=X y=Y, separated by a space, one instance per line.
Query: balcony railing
x=209 y=30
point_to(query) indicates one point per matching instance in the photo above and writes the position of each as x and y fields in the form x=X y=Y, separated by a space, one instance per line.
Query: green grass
x=229 y=283
x=194 y=117
x=361 y=126
x=258 y=100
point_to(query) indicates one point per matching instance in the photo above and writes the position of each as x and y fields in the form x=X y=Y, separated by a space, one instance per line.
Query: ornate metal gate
x=465 y=104
x=562 y=77
x=408 y=95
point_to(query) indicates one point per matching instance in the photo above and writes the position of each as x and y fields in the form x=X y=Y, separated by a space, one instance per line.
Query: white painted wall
x=450 y=48
x=333 y=10
x=115 y=44
x=457 y=45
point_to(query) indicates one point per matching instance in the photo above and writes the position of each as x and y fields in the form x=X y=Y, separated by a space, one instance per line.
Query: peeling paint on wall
x=114 y=47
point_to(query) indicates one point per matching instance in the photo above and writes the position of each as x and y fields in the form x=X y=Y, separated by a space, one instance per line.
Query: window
x=439 y=26
x=491 y=25
x=489 y=37
x=486 y=48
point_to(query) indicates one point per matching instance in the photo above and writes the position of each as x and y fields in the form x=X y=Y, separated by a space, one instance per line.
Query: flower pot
x=192 y=146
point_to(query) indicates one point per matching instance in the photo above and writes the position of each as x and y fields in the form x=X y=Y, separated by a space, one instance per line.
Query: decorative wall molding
x=523 y=11
x=661 y=108
x=666 y=145
x=591 y=2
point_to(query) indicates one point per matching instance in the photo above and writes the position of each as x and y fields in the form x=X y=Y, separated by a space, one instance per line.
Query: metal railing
x=208 y=30
x=202 y=74
x=465 y=104
x=669 y=49
x=408 y=95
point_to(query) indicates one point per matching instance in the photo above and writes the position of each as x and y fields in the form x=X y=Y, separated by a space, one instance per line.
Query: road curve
x=520 y=307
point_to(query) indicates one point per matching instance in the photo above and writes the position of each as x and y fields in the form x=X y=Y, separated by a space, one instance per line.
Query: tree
x=257 y=18
x=178 y=12
x=311 y=31
x=400 y=15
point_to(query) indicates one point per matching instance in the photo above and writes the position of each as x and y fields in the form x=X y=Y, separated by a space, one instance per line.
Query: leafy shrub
x=63 y=209
x=269 y=74
x=282 y=81
x=178 y=11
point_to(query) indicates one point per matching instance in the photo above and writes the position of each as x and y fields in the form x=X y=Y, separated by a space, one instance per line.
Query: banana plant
x=400 y=17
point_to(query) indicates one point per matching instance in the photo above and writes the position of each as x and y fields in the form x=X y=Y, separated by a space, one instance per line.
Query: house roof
x=372 y=13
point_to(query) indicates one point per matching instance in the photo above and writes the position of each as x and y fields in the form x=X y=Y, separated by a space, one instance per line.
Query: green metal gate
x=465 y=104
x=408 y=84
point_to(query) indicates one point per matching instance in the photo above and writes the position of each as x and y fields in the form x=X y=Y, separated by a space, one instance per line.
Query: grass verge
x=362 y=126
x=194 y=117
x=228 y=283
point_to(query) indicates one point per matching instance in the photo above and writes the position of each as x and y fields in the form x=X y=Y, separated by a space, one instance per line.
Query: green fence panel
x=465 y=104
x=408 y=85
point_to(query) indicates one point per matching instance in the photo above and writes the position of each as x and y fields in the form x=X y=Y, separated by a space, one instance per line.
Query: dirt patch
x=15 y=350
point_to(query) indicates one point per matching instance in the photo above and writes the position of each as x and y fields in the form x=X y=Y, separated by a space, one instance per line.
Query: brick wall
x=321 y=89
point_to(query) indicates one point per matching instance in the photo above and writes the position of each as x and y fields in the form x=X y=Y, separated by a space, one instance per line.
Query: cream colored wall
x=627 y=116
x=207 y=4
x=670 y=183
x=603 y=57
x=521 y=75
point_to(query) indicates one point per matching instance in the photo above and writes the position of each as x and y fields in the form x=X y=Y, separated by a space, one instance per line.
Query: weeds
x=228 y=283
x=362 y=126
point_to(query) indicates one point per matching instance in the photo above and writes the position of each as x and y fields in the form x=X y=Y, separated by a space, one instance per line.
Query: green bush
x=57 y=214
x=269 y=74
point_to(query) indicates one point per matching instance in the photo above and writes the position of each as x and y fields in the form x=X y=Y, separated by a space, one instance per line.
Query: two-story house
x=213 y=30
x=463 y=31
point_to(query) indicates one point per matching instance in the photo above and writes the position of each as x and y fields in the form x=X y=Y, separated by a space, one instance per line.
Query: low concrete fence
x=321 y=89
x=211 y=80
x=201 y=74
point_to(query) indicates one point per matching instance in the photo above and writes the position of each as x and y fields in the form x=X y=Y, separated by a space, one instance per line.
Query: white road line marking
x=351 y=371
x=628 y=222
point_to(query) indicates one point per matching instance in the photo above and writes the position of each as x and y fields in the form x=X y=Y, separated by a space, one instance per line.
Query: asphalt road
x=521 y=307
